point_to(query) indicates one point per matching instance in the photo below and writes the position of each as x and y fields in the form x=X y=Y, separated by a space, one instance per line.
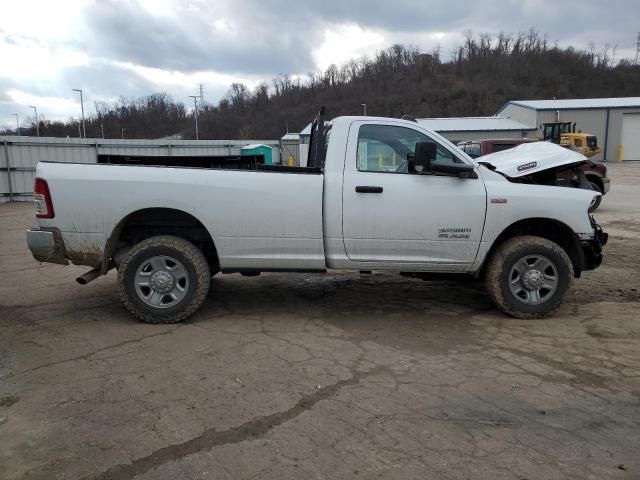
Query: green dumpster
x=258 y=150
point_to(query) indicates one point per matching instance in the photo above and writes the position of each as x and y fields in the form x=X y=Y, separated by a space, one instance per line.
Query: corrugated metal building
x=290 y=149
x=615 y=121
x=296 y=147
x=459 y=129
x=20 y=155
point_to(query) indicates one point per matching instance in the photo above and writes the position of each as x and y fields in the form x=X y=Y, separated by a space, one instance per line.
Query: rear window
x=499 y=147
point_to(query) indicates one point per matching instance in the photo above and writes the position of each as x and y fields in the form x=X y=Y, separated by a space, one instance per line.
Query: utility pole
x=195 y=112
x=84 y=131
x=102 y=129
x=637 y=49
x=364 y=109
x=37 y=125
x=17 y=123
x=201 y=94
x=122 y=132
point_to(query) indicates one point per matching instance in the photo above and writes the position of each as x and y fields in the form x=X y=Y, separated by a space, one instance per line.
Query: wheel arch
x=551 y=229
x=147 y=222
x=595 y=178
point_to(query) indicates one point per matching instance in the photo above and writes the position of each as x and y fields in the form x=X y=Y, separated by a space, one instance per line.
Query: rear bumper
x=592 y=249
x=47 y=246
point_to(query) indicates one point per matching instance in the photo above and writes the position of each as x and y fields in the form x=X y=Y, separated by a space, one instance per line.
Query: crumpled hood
x=529 y=158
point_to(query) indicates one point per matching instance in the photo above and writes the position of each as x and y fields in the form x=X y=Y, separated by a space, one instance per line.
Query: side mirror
x=425 y=154
x=461 y=170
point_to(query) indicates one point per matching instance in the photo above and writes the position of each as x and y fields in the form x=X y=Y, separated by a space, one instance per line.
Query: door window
x=384 y=148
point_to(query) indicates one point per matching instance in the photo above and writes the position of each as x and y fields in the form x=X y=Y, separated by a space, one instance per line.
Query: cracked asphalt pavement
x=322 y=376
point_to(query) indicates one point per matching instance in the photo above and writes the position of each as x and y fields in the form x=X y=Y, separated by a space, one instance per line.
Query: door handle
x=368 y=189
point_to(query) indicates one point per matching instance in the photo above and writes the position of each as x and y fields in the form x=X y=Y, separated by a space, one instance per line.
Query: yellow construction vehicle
x=565 y=135
x=583 y=143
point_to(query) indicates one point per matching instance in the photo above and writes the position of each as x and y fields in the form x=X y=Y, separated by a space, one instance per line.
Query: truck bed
x=227 y=162
x=257 y=219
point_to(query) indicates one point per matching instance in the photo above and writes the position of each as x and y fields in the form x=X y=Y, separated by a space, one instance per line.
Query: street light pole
x=195 y=112
x=17 y=123
x=37 y=125
x=364 y=109
x=84 y=131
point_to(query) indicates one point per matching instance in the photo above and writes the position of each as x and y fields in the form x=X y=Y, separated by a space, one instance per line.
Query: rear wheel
x=528 y=276
x=163 y=279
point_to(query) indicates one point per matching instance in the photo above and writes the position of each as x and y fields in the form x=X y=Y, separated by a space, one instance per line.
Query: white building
x=615 y=121
x=460 y=129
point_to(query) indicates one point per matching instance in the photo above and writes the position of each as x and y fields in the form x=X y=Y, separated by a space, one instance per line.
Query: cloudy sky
x=113 y=48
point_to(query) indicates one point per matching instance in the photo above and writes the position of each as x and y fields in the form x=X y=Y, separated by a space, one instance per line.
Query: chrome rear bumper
x=47 y=246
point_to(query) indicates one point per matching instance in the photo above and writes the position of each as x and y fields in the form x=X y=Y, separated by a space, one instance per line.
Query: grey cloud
x=5 y=85
x=278 y=36
x=108 y=80
x=189 y=42
x=7 y=107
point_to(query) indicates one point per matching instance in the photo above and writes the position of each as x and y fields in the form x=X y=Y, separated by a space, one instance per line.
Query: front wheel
x=528 y=276
x=163 y=279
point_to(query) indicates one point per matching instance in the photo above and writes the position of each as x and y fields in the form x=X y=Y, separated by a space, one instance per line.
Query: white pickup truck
x=377 y=194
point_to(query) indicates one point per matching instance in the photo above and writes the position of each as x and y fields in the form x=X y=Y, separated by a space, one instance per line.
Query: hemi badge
x=498 y=200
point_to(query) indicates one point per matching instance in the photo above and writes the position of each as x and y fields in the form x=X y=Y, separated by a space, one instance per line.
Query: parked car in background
x=595 y=172
x=479 y=148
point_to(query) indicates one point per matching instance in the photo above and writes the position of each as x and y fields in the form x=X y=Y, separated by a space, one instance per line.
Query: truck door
x=393 y=216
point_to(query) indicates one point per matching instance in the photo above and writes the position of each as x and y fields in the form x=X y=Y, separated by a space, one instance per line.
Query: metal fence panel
x=20 y=155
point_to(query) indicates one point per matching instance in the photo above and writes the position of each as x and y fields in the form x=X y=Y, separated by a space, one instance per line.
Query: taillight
x=44 y=206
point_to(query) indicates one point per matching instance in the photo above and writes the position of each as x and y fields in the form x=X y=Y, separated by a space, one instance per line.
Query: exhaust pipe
x=89 y=276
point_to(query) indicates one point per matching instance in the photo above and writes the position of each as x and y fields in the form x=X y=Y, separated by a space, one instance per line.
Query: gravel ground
x=327 y=376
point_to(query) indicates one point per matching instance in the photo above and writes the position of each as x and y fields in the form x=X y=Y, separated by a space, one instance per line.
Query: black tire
x=499 y=276
x=197 y=272
x=596 y=203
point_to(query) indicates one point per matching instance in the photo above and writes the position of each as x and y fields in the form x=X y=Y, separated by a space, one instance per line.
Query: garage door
x=631 y=136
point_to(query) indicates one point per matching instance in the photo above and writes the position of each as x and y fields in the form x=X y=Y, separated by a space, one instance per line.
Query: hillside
x=482 y=74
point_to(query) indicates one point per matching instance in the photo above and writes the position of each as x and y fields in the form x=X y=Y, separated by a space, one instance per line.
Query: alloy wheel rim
x=533 y=279
x=161 y=281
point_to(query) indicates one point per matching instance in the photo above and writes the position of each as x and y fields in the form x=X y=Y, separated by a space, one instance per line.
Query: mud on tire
x=184 y=270
x=518 y=267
